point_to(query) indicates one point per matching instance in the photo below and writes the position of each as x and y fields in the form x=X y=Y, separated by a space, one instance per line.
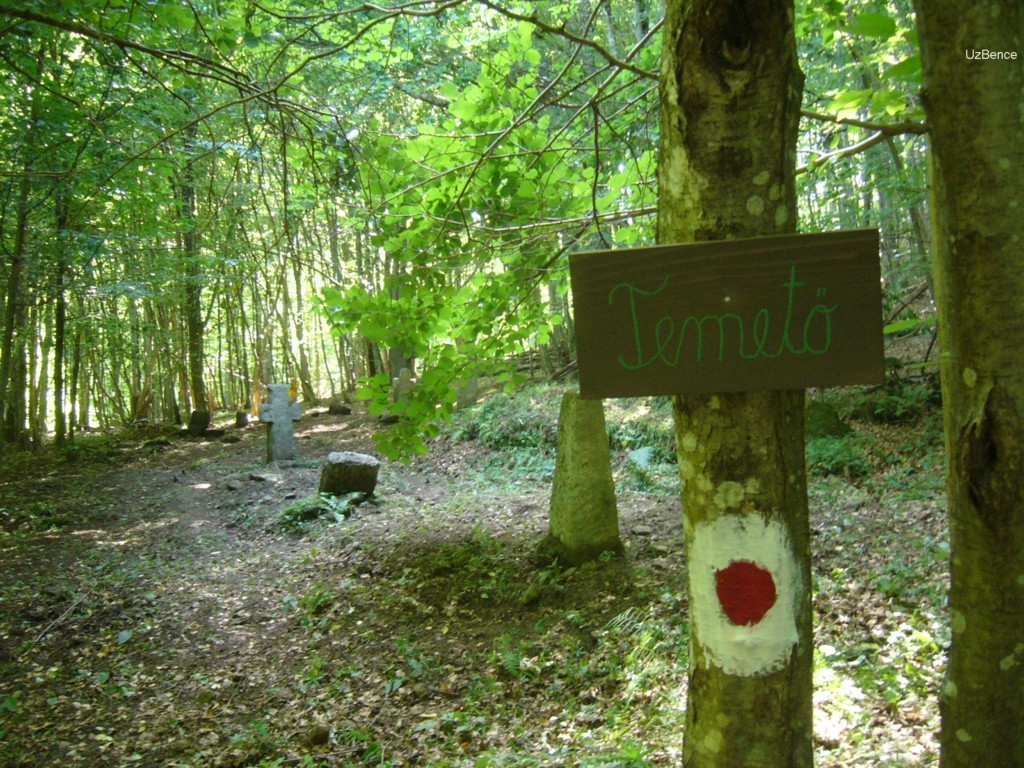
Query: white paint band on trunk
x=759 y=637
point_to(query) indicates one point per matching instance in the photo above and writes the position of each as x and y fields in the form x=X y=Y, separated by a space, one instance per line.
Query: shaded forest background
x=199 y=199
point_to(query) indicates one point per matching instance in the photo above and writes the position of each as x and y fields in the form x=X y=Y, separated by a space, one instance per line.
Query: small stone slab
x=349 y=472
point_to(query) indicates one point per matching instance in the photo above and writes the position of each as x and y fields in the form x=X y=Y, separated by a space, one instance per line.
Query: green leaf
x=847 y=103
x=124 y=636
x=464 y=110
x=872 y=25
x=900 y=326
x=890 y=102
x=907 y=71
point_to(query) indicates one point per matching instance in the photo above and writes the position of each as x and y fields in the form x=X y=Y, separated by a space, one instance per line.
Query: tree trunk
x=584 y=518
x=42 y=322
x=60 y=314
x=730 y=99
x=193 y=278
x=977 y=132
x=13 y=304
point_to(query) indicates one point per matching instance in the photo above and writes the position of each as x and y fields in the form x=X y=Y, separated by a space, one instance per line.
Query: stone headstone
x=349 y=472
x=402 y=385
x=241 y=419
x=278 y=412
x=198 y=423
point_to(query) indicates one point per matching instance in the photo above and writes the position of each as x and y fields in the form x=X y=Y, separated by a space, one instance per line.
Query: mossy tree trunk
x=730 y=99
x=584 y=517
x=977 y=131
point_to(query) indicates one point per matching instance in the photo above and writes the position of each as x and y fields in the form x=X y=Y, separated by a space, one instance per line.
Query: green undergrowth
x=304 y=514
x=431 y=634
x=592 y=674
x=521 y=431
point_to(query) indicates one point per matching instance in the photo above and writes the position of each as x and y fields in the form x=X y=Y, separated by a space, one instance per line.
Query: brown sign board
x=779 y=312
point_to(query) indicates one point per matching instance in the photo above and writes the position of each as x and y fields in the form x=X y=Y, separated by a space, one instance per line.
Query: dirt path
x=168 y=620
x=181 y=626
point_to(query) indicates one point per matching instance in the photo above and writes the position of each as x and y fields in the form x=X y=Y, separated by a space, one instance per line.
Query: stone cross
x=402 y=386
x=279 y=412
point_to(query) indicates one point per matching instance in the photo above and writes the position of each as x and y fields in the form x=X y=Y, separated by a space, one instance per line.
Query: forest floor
x=157 y=609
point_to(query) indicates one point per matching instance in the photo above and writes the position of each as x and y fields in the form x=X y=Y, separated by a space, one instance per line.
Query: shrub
x=300 y=513
x=526 y=419
x=845 y=456
x=651 y=434
x=898 y=402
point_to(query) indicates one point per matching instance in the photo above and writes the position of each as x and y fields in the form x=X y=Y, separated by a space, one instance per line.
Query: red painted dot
x=746 y=592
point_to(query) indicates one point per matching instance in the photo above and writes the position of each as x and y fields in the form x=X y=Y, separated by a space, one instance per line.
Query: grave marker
x=278 y=412
x=402 y=386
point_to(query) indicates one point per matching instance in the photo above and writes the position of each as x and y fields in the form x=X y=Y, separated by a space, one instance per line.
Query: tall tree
x=730 y=100
x=973 y=57
x=192 y=275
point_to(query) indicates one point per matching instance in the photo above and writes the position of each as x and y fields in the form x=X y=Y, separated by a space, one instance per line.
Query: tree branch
x=560 y=30
x=828 y=157
x=234 y=77
x=886 y=129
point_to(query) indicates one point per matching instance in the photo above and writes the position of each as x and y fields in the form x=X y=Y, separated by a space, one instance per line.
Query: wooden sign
x=781 y=312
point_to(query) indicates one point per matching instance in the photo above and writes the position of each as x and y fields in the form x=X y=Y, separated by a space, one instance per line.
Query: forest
x=375 y=205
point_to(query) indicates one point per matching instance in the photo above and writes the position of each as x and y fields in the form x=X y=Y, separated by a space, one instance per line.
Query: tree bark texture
x=193 y=279
x=730 y=100
x=584 y=518
x=977 y=132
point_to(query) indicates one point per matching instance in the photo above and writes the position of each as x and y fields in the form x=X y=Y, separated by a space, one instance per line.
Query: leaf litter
x=170 y=621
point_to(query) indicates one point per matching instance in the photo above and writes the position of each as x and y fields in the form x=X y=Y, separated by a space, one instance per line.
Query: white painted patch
x=765 y=645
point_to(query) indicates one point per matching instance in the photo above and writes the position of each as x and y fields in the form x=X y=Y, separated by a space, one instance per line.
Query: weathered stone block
x=349 y=472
